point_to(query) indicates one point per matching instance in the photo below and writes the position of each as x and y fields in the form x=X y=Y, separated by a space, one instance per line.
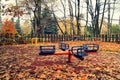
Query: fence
x=57 y=38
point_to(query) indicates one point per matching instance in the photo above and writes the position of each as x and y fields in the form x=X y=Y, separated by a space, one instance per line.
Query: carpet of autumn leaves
x=21 y=62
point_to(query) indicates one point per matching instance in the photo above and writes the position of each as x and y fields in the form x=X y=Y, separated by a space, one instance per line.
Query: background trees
x=45 y=15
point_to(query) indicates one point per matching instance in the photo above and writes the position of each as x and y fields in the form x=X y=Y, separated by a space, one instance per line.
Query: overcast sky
x=83 y=10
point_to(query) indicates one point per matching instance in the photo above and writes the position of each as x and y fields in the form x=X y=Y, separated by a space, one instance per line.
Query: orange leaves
x=16 y=13
x=8 y=27
x=105 y=46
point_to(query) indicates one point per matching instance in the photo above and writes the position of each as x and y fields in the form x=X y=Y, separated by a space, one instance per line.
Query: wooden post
x=56 y=38
x=38 y=37
x=112 y=37
x=48 y=38
x=102 y=37
x=106 y=37
x=116 y=40
x=53 y=37
x=45 y=38
x=42 y=37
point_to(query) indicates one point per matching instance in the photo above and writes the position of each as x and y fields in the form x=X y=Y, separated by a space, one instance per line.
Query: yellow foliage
x=82 y=24
x=62 y=26
x=26 y=27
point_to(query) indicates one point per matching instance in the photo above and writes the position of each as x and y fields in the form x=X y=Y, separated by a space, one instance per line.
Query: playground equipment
x=63 y=46
x=92 y=47
x=44 y=50
x=35 y=40
x=80 y=51
x=50 y=50
x=93 y=44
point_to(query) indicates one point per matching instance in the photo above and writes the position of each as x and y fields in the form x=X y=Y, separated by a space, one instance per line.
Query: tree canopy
x=8 y=27
x=45 y=14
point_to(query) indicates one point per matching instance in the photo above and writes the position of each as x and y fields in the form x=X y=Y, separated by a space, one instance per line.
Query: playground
x=24 y=62
x=60 y=40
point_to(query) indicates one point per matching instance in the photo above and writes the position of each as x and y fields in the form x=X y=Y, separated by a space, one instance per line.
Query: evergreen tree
x=18 y=28
x=48 y=22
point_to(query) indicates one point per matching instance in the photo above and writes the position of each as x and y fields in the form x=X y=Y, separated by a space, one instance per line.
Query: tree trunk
x=97 y=31
x=87 y=1
x=103 y=15
x=65 y=20
x=72 y=30
x=39 y=16
x=78 y=18
x=57 y=23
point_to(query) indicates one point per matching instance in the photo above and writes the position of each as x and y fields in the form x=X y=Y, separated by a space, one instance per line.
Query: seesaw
x=50 y=50
x=77 y=51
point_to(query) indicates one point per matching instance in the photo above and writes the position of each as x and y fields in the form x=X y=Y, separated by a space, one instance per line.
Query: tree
x=95 y=14
x=64 y=11
x=24 y=7
x=48 y=22
x=72 y=30
x=8 y=27
x=0 y=17
x=36 y=6
x=52 y=5
x=102 y=21
x=13 y=11
x=114 y=28
x=26 y=27
x=17 y=26
x=78 y=18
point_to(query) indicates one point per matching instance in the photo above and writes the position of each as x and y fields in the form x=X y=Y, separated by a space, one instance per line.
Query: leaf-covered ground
x=23 y=62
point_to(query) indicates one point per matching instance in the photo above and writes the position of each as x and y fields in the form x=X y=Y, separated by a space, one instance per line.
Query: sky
x=83 y=10
x=60 y=14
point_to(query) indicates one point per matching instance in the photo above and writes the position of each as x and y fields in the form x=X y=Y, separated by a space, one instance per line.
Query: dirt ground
x=23 y=62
